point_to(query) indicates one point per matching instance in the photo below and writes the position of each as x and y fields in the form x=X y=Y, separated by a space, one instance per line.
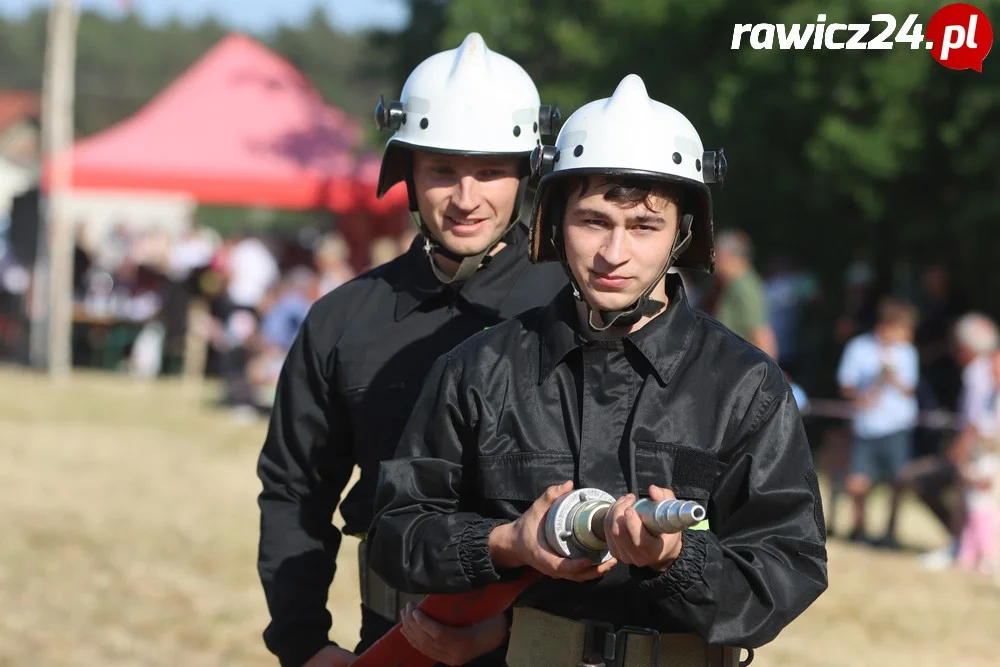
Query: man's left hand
x=630 y=542
x=451 y=645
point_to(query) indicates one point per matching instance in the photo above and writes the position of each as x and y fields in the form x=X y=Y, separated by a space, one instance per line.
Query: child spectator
x=980 y=477
x=879 y=373
x=938 y=479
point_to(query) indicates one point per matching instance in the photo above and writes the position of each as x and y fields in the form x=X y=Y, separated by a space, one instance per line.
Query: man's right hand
x=522 y=544
x=331 y=656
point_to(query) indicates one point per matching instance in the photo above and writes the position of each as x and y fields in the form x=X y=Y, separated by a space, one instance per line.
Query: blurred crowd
x=902 y=359
x=133 y=293
x=917 y=374
x=261 y=302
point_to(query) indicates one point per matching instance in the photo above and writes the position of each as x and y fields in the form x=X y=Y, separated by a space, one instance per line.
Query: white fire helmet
x=629 y=134
x=464 y=101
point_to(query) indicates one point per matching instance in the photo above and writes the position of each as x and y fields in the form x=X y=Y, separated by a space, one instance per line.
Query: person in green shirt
x=741 y=304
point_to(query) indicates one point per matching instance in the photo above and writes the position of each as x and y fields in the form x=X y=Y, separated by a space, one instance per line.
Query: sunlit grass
x=130 y=533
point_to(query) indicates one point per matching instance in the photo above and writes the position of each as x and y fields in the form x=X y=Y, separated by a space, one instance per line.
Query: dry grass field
x=129 y=539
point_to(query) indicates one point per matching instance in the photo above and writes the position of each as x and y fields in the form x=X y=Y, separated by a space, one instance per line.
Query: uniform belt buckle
x=599 y=645
x=622 y=646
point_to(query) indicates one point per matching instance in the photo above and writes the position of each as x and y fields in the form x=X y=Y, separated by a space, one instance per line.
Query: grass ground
x=129 y=539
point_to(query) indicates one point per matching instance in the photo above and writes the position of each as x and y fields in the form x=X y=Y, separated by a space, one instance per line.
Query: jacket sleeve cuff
x=686 y=571
x=474 y=553
x=301 y=653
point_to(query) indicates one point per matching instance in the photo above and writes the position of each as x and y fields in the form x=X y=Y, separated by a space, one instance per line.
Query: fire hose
x=574 y=528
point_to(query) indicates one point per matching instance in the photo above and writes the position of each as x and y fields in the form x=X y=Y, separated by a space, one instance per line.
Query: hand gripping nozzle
x=574 y=525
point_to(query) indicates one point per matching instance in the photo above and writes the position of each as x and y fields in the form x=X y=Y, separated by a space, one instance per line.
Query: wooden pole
x=57 y=139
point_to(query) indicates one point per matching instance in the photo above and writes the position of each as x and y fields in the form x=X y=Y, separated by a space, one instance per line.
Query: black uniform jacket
x=343 y=398
x=682 y=403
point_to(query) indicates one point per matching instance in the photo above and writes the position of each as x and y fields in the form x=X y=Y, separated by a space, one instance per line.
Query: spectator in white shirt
x=879 y=372
x=934 y=478
x=980 y=480
x=252 y=272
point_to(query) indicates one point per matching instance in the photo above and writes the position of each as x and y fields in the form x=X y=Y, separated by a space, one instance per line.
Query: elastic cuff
x=685 y=571
x=474 y=552
x=302 y=653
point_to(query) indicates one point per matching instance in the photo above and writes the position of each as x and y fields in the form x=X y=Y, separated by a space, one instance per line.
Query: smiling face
x=466 y=201
x=618 y=236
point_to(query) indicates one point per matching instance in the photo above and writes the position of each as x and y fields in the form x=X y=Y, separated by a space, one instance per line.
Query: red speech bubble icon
x=960 y=36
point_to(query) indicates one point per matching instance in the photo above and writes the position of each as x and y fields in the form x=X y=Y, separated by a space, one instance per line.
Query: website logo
x=959 y=36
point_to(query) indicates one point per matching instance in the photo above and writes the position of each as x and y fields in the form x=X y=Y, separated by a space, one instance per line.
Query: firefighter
x=463 y=130
x=617 y=384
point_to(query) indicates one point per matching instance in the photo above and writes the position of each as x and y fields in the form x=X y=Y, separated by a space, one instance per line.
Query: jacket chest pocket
x=520 y=478
x=690 y=473
x=379 y=408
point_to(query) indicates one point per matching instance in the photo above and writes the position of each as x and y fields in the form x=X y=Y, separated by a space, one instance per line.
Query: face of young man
x=616 y=247
x=465 y=201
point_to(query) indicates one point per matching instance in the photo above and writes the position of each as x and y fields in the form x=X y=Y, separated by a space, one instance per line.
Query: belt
x=376 y=594
x=540 y=638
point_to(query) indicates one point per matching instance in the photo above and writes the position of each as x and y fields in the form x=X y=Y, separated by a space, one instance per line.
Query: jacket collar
x=487 y=288
x=662 y=342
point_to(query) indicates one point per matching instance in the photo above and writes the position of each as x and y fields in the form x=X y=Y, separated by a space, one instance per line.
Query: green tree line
x=834 y=155
x=122 y=63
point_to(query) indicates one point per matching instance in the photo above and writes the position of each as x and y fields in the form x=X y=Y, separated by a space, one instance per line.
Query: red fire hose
x=457 y=609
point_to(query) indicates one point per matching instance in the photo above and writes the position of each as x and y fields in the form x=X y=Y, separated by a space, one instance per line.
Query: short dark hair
x=627 y=190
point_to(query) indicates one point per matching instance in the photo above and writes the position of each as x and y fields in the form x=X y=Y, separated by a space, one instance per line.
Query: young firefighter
x=464 y=128
x=617 y=384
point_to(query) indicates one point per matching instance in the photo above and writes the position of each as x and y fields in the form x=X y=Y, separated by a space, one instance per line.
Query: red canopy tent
x=241 y=127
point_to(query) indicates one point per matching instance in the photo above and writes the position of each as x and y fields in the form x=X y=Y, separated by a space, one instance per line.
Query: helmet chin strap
x=467 y=264
x=644 y=306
